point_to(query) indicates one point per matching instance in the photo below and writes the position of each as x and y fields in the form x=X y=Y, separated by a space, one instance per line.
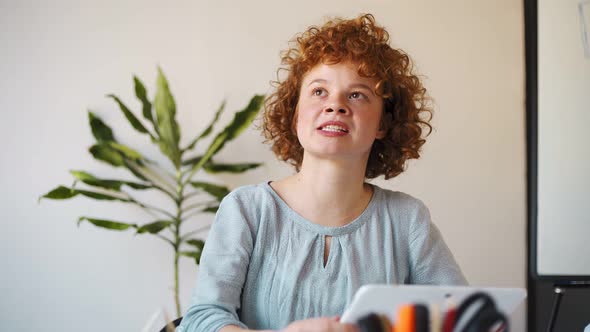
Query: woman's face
x=338 y=112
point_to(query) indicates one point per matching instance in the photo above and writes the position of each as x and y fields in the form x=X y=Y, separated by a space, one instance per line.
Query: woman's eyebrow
x=352 y=86
x=317 y=80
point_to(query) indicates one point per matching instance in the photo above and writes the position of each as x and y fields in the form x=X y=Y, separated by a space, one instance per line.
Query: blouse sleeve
x=222 y=271
x=431 y=261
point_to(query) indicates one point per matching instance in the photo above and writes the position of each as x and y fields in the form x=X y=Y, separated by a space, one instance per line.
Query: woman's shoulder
x=243 y=206
x=249 y=192
x=405 y=209
x=248 y=189
x=397 y=199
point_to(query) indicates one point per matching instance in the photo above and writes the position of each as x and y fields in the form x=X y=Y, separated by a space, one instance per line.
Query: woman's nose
x=336 y=105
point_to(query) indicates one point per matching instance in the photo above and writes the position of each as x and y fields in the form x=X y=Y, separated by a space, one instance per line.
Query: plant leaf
x=126 y=151
x=63 y=192
x=134 y=167
x=154 y=227
x=91 y=180
x=144 y=172
x=141 y=94
x=108 y=224
x=197 y=243
x=134 y=121
x=214 y=190
x=192 y=161
x=104 y=152
x=100 y=130
x=211 y=209
x=137 y=186
x=60 y=192
x=213 y=168
x=165 y=115
x=192 y=254
x=241 y=121
x=100 y=196
x=172 y=153
x=209 y=129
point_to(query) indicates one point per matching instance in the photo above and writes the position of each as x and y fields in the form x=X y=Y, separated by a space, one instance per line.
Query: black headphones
x=485 y=316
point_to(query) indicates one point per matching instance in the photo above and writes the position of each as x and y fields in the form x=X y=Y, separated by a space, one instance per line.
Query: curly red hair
x=361 y=41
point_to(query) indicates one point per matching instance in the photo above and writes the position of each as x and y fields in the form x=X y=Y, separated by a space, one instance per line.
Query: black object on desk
x=171 y=327
x=559 y=289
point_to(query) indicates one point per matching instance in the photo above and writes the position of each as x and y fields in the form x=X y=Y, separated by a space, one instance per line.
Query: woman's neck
x=327 y=192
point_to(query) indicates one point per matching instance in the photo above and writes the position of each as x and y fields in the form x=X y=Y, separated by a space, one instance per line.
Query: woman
x=290 y=254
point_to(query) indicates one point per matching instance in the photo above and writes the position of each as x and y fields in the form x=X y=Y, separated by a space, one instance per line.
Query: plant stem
x=177 y=238
x=176 y=290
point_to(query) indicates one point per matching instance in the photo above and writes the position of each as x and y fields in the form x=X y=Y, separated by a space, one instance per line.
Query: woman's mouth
x=334 y=129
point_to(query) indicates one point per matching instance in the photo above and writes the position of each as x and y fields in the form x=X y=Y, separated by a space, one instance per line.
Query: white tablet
x=385 y=299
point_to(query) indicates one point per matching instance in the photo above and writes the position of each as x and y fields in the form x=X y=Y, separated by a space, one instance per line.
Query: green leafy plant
x=175 y=182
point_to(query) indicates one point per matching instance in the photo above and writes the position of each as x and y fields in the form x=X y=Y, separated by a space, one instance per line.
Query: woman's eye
x=318 y=92
x=356 y=95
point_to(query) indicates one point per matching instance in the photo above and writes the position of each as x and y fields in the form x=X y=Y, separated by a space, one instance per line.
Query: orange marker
x=406 y=319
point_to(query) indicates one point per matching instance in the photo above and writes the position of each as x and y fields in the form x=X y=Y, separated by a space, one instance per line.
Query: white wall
x=563 y=153
x=58 y=60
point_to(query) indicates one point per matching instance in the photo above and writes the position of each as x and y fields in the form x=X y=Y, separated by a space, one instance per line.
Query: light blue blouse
x=263 y=264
